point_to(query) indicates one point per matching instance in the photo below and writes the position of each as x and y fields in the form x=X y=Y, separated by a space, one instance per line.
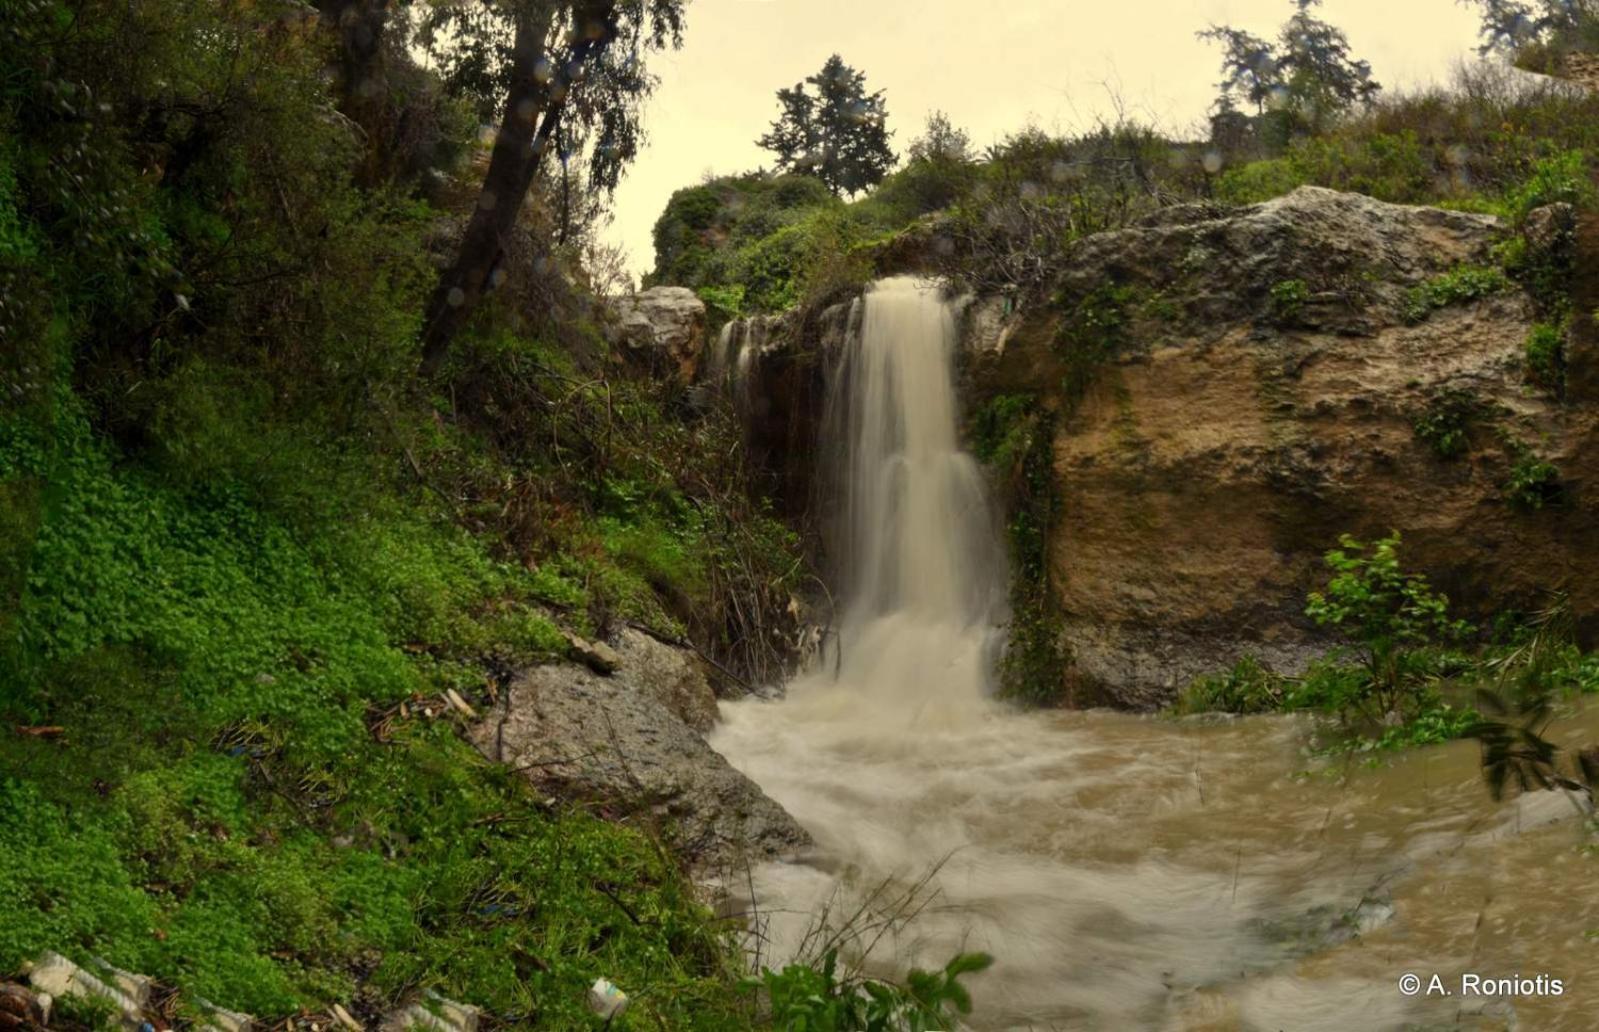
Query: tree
x=1308 y=73
x=941 y=140
x=573 y=79
x=1510 y=25
x=833 y=130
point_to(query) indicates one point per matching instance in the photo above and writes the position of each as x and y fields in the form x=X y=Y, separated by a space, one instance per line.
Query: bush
x=1545 y=353
x=1390 y=614
x=1534 y=483
x=1248 y=687
x=1458 y=285
x=1564 y=178
x=1287 y=298
x=818 y=999
x=1445 y=424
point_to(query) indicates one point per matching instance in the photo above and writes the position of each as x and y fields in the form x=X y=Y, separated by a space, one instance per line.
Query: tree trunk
x=533 y=112
x=358 y=27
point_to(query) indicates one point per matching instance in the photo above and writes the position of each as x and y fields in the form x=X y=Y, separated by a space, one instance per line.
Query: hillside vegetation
x=244 y=548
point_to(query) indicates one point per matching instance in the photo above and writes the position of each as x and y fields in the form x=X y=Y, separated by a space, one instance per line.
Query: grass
x=234 y=804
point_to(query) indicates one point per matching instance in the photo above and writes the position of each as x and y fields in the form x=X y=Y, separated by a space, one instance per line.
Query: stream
x=1127 y=872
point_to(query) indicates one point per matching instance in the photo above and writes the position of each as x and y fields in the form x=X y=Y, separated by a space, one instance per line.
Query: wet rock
x=577 y=734
x=662 y=328
x=433 y=1013
x=1208 y=467
x=1549 y=228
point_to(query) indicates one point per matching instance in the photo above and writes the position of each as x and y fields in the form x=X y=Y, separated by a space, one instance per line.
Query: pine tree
x=1308 y=73
x=831 y=128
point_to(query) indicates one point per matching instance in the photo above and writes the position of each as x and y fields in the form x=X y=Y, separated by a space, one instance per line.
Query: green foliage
x=807 y=998
x=833 y=129
x=1445 y=424
x=1094 y=331
x=242 y=556
x=1388 y=613
x=1533 y=482
x=763 y=242
x=1287 y=298
x=1307 y=74
x=1545 y=353
x=1564 y=178
x=1012 y=435
x=1248 y=687
x=1457 y=286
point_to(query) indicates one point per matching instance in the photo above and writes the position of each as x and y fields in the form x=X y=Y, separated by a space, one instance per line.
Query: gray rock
x=1358 y=255
x=664 y=327
x=572 y=732
x=674 y=677
x=596 y=655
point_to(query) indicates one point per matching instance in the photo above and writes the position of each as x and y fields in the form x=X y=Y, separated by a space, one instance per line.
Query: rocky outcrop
x=661 y=329
x=1269 y=376
x=633 y=740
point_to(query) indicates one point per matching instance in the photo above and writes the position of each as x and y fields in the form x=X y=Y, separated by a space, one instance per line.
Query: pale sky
x=993 y=65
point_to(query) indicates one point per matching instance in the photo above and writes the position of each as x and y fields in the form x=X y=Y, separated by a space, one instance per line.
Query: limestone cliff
x=1271 y=367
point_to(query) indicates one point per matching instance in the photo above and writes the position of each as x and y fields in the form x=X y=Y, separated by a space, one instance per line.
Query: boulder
x=602 y=738
x=672 y=676
x=661 y=329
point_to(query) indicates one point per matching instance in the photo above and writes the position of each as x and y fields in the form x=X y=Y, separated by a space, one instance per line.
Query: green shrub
x=1248 y=687
x=1389 y=614
x=819 y=999
x=1458 y=285
x=1445 y=424
x=1288 y=297
x=1563 y=178
x=1545 y=353
x=1533 y=483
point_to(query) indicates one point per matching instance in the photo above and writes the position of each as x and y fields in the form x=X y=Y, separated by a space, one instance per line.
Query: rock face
x=1244 y=425
x=662 y=328
x=633 y=739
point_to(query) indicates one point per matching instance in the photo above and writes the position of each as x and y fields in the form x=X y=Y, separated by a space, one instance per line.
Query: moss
x=1094 y=330
x=1013 y=435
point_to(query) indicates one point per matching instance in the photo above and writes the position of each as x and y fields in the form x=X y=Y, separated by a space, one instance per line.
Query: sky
x=993 y=66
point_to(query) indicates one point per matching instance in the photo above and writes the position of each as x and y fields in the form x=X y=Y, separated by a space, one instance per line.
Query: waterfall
x=921 y=564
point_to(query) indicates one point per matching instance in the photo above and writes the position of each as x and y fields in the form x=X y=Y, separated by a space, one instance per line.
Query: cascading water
x=924 y=585
x=1126 y=872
